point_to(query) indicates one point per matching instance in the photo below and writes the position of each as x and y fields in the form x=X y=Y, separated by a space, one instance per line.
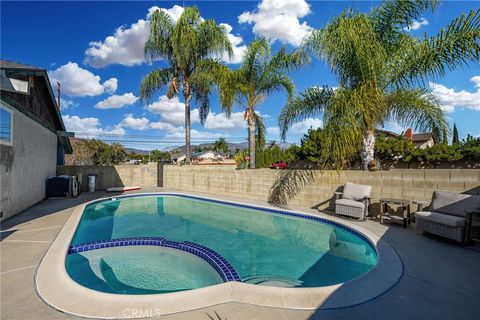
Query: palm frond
x=213 y=40
x=453 y=47
x=185 y=40
x=390 y=17
x=154 y=81
x=417 y=108
x=158 y=44
x=260 y=127
x=351 y=47
x=275 y=83
x=309 y=103
x=256 y=53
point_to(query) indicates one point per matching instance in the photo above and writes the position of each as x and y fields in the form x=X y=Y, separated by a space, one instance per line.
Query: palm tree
x=189 y=42
x=259 y=75
x=381 y=71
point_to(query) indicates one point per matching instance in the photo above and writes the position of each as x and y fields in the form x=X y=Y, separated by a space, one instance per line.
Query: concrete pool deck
x=440 y=282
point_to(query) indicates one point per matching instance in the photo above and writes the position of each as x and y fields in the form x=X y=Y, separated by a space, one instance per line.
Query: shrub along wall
x=319 y=187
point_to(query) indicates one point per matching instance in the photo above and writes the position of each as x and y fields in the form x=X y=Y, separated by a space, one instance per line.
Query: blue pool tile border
x=253 y=207
x=222 y=266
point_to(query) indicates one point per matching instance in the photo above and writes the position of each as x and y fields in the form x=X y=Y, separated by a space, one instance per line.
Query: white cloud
x=237 y=46
x=89 y=127
x=111 y=85
x=298 y=129
x=274 y=131
x=125 y=46
x=450 y=99
x=135 y=123
x=170 y=110
x=220 y=121
x=66 y=103
x=302 y=127
x=174 y=12
x=415 y=25
x=179 y=133
x=279 y=20
x=162 y=126
x=476 y=80
x=117 y=101
x=78 y=82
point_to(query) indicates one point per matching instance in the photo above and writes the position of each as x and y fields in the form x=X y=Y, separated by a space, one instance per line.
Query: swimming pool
x=165 y=243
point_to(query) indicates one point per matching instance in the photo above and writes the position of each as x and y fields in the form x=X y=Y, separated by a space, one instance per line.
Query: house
x=420 y=140
x=33 y=139
x=209 y=154
x=386 y=133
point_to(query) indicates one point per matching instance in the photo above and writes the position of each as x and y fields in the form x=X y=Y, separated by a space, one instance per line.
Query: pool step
x=273 y=281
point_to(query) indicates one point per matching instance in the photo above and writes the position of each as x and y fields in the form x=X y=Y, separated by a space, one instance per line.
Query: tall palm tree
x=259 y=75
x=381 y=71
x=184 y=45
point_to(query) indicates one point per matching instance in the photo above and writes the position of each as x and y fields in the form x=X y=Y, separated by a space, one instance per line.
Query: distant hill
x=232 y=147
x=137 y=151
x=178 y=150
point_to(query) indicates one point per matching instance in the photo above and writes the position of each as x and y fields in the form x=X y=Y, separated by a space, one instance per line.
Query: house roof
x=24 y=70
x=419 y=137
x=198 y=154
x=387 y=133
x=7 y=64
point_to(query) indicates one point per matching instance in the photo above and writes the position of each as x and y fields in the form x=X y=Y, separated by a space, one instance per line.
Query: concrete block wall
x=144 y=175
x=411 y=184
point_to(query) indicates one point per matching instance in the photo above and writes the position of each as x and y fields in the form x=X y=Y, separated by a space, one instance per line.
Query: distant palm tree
x=381 y=71
x=259 y=75
x=184 y=45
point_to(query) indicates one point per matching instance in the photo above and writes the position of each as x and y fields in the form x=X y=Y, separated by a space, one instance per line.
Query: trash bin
x=91 y=182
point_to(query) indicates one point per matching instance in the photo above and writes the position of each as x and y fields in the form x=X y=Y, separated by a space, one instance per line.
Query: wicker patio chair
x=353 y=201
x=451 y=215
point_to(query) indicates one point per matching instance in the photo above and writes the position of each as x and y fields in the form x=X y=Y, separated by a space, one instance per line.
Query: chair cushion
x=445 y=219
x=357 y=192
x=350 y=203
x=454 y=204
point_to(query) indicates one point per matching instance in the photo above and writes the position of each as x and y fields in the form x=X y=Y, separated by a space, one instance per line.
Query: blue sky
x=95 y=50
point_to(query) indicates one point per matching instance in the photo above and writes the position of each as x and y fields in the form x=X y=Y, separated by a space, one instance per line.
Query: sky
x=95 y=50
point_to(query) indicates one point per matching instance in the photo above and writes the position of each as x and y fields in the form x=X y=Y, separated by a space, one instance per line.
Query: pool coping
x=55 y=287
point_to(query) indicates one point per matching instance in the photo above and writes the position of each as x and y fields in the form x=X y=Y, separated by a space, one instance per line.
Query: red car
x=279 y=165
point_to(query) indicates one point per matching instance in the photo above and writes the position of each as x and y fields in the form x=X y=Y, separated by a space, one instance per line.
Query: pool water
x=141 y=270
x=264 y=248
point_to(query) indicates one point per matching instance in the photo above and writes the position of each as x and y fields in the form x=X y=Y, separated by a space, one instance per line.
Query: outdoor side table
x=420 y=205
x=404 y=204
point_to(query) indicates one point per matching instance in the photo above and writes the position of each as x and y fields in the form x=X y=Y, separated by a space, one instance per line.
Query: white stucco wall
x=26 y=166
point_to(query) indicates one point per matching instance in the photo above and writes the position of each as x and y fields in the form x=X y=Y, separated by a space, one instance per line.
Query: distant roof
x=20 y=69
x=417 y=137
x=197 y=154
x=387 y=133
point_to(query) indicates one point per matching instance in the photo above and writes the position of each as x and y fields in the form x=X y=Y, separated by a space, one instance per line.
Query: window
x=6 y=125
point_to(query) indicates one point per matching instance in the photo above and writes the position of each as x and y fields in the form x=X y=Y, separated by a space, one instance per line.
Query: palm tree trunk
x=251 y=140
x=188 y=98
x=368 y=148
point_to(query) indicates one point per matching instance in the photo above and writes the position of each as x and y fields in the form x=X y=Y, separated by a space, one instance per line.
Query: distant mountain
x=232 y=147
x=137 y=151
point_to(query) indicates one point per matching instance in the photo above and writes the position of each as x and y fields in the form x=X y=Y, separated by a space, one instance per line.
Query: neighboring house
x=179 y=159
x=33 y=139
x=209 y=154
x=420 y=140
x=386 y=133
